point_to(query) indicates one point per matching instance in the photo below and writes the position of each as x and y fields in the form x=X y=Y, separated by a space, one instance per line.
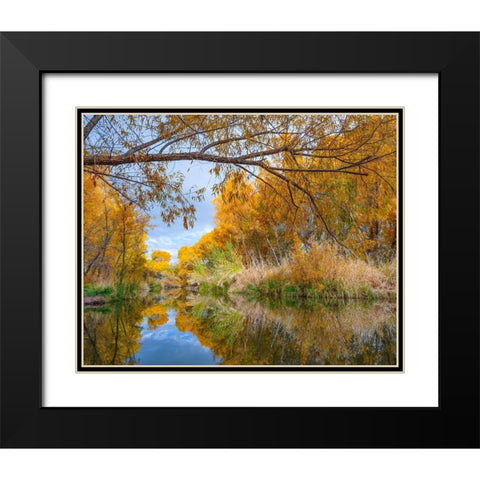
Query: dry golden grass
x=322 y=265
x=355 y=273
x=252 y=275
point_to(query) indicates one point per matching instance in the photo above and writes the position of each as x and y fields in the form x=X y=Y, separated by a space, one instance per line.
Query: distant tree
x=160 y=262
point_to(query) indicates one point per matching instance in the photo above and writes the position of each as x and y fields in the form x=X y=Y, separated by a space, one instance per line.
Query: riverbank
x=320 y=273
x=95 y=295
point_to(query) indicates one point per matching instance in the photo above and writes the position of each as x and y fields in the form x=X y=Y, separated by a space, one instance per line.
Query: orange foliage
x=114 y=236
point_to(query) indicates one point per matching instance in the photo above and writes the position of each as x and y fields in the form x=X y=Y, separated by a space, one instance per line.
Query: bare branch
x=88 y=128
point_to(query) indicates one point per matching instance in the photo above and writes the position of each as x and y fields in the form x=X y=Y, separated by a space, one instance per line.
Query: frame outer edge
x=20 y=263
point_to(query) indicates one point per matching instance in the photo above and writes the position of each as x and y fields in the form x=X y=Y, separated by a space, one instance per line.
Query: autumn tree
x=312 y=164
x=263 y=222
x=187 y=259
x=114 y=236
x=160 y=262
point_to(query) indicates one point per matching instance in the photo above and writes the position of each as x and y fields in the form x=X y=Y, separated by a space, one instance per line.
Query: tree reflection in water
x=111 y=336
x=242 y=332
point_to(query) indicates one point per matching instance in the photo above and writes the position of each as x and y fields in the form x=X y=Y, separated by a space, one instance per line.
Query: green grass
x=213 y=290
x=154 y=287
x=119 y=292
x=124 y=292
x=92 y=290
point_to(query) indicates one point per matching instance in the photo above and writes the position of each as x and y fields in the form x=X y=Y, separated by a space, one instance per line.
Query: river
x=195 y=330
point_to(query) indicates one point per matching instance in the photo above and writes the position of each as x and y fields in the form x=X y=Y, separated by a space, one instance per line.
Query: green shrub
x=92 y=290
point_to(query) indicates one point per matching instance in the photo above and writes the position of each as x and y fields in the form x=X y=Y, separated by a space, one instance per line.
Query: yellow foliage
x=114 y=236
x=156 y=315
x=159 y=262
x=160 y=255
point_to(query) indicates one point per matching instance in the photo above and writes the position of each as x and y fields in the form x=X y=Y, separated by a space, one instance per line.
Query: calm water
x=195 y=330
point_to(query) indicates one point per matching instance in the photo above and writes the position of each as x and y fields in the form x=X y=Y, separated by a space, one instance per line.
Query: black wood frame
x=25 y=57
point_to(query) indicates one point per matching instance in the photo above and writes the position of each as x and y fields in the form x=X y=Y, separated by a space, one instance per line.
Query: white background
x=368 y=15
x=416 y=387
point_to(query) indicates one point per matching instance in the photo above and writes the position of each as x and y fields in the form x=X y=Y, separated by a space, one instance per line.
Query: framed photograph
x=243 y=269
x=240 y=230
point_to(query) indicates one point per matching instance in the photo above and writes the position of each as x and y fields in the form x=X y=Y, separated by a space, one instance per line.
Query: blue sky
x=171 y=238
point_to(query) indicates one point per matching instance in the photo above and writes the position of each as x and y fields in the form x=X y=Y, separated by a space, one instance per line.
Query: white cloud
x=172 y=243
